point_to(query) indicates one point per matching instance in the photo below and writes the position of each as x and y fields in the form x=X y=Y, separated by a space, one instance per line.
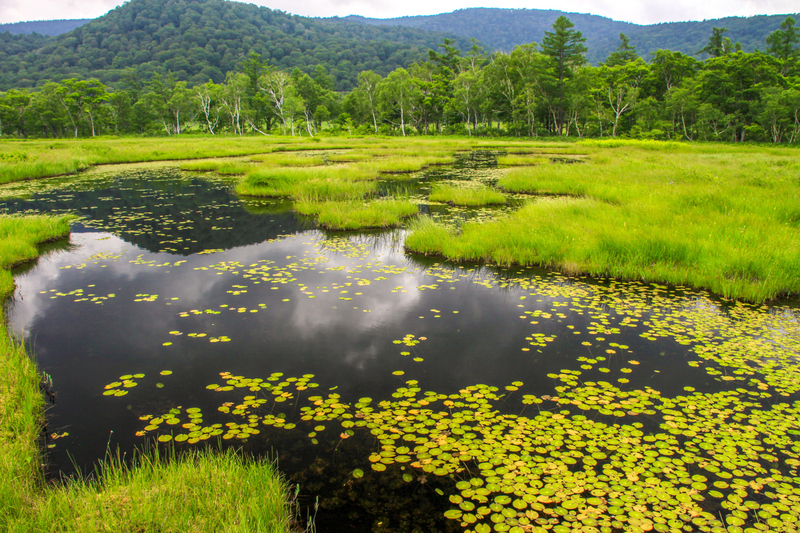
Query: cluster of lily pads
x=119 y=388
x=593 y=458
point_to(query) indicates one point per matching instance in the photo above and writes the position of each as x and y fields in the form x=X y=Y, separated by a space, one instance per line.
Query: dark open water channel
x=172 y=277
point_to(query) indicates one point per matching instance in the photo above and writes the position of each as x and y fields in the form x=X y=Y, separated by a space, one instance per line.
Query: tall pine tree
x=564 y=46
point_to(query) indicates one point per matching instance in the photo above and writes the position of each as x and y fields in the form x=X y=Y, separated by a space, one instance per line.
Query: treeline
x=545 y=89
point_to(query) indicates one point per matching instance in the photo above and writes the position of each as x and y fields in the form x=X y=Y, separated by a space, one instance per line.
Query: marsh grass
x=21 y=403
x=725 y=219
x=279 y=159
x=19 y=236
x=164 y=491
x=519 y=160
x=325 y=190
x=403 y=164
x=351 y=215
x=235 y=168
x=465 y=196
x=270 y=182
x=319 y=184
x=29 y=159
x=201 y=166
x=230 y=168
x=11 y=172
x=350 y=157
x=199 y=491
x=21 y=416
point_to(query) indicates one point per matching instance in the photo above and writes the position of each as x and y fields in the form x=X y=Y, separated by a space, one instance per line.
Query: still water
x=177 y=312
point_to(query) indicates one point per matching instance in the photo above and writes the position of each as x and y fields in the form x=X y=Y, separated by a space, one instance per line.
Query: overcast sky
x=640 y=12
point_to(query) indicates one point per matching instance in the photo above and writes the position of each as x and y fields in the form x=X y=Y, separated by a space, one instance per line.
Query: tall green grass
x=21 y=403
x=29 y=159
x=327 y=183
x=404 y=164
x=726 y=219
x=162 y=491
x=351 y=215
x=19 y=236
x=466 y=196
x=221 y=167
x=279 y=159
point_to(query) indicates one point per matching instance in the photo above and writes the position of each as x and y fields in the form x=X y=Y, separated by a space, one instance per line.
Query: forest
x=201 y=40
x=544 y=89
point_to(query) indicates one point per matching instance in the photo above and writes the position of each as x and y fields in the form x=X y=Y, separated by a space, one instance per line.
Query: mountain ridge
x=503 y=29
x=50 y=28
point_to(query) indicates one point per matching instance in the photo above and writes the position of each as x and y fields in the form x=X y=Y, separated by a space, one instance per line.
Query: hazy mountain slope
x=43 y=27
x=504 y=29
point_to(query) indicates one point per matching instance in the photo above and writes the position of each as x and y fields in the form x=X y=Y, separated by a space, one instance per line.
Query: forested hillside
x=198 y=40
x=504 y=29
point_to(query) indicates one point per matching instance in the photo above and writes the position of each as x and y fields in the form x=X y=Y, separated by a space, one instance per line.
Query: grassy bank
x=30 y=159
x=21 y=402
x=724 y=217
x=21 y=160
x=196 y=492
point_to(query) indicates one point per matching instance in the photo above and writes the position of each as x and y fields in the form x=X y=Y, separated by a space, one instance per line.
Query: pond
x=399 y=392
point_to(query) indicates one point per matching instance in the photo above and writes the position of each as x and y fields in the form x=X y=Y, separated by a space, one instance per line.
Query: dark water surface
x=175 y=278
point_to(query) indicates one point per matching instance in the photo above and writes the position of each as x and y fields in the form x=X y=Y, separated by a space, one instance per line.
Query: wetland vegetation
x=462 y=390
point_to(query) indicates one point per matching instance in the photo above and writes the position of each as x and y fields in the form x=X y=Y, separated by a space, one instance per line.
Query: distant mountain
x=199 y=40
x=43 y=27
x=504 y=29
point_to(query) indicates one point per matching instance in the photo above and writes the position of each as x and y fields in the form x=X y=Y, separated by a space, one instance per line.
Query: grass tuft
x=466 y=196
x=350 y=215
x=163 y=491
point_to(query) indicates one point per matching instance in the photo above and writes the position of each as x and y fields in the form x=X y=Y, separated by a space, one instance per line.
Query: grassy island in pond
x=724 y=218
x=466 y=196
x=228 y=492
